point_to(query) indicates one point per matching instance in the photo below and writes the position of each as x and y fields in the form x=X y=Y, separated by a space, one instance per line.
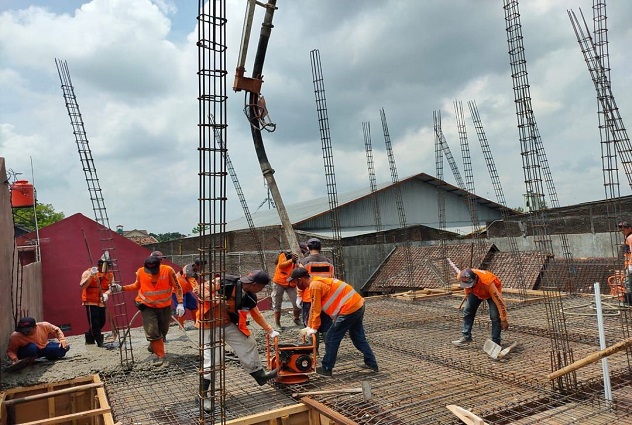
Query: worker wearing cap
x=626 y=229
x=188 y=279
x=285 y=263
x=338 y=300
x=481 y=285
x=30 y=341
x=227 y=302
x=155 y=282
x=95 y=282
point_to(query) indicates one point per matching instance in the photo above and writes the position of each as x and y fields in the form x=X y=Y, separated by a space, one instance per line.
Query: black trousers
x=96 y=321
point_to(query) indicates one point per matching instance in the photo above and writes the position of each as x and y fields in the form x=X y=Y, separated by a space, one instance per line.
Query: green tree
x=199 y=229
x=46 y=215
x=164 y=237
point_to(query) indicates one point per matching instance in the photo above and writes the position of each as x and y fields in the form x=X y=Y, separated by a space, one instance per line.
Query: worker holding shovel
x=482 y=285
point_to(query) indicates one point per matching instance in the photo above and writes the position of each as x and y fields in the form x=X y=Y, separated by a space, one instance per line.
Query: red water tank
x=22 y=194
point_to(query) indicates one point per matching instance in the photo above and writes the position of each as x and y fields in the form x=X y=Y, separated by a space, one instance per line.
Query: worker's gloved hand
x=299 y=302
x=104 y=297
x=504 y=325
x=273 y=333
x=630 y=269
x=115 y=288
x=94 y=271
x=307 y=331
x=180 y=310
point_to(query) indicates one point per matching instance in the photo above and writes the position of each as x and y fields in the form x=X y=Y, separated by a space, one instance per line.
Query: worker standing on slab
x=240 y=298
x=481 y=285
x=285 y=263
x=626 y=229
x=30 y=341
x=314 y=255
x=95 y=282
x=345 y=307
x=188 y=279
x=155 y=282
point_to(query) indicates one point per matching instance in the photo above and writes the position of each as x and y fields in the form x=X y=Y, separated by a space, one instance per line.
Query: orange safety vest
x=336 y=298
x=186 y=283
x=283 y=270
x=317 y=268
x=155 y=290
x=481 y=289
x=212 y=314
x=91 y=293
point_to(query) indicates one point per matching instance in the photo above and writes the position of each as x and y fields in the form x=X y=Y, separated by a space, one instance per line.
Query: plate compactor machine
x=294 y=361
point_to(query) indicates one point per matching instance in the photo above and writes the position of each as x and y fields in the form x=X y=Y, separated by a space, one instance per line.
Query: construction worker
x=285 y=263
x=155 y=282
x=95 y=282
x=239 y=295
x=481 y=285
x=626 y=229
x=188 y=279
x=30 y=341
x=345 y=307
x=314 y=255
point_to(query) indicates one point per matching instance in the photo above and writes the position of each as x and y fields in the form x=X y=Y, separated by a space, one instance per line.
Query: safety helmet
x=467 y=278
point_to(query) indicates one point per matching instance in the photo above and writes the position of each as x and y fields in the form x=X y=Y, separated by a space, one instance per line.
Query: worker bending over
x=481 y=285
x=30 y=341
x=345 y=307
x=226 y=303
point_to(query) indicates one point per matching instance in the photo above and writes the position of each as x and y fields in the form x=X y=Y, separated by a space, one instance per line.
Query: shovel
x=495 y=351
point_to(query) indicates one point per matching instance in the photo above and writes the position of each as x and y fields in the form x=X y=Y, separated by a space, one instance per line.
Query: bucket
x=22 y=194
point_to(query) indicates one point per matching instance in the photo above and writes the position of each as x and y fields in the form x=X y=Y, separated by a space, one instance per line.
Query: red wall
x=65 y=257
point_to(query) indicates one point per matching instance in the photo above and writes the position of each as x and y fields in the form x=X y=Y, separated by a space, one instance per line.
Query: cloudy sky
x=133 y=65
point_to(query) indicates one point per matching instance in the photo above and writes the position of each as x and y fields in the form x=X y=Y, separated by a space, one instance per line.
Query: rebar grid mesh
x=420 y=373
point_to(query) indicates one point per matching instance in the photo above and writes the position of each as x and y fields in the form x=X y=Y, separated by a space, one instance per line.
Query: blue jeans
x=52 y=351
x=352 y=323
x=469 y=312
x=188 y=301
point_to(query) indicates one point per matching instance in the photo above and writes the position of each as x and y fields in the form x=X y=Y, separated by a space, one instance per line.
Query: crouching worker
x=155 y=282
x=239 y=296
x=30 y=341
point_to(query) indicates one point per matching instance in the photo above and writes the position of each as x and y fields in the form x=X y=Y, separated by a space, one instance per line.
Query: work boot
x=207 y=405
x=297 y=317
x=366 y=366
x=627 y=300
x=261 y=376
x=99 y=340
x=89 y=338
x=277 y=320
x=323 y=372
x=462 y=341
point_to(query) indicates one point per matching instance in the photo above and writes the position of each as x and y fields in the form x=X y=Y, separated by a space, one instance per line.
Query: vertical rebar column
x=500 y=196
x=366 y=129
x=398 y=196
x=328 y=159
x=212 y=149
x=445 y=270
x=119 y=317
x=561 y=353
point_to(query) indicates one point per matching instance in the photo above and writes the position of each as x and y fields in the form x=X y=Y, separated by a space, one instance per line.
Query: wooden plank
x=67 y=418
x=53 y=393
x=328 y=412
x=103 y=401
x=272 y=415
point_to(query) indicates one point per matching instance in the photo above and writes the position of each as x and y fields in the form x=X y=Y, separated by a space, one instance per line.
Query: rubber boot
x=99 y=339
x=626 y=301
x=297 y=317
x=277 y=319
x=206 y=404
x=89 y=338
x=261 y=376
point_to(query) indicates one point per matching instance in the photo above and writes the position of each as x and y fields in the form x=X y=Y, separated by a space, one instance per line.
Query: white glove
x=630 y=269
x=307 y=332
x=180 y=310
x=115 y=288
x=94 y=271
x=299 y=302
x=273 y=333
x=104 y=297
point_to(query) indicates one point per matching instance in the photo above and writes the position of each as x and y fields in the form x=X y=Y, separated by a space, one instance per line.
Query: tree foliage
x=164 y=237
x=46 y=215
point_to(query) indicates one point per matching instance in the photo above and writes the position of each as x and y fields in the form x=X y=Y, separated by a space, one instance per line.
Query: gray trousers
x=245 y=347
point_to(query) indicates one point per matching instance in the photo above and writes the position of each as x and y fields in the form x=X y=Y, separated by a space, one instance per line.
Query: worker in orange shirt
x=30 y=341
x=188 y=279
x=155 y=282
x=95 y=282
x=482 y=285
x=626 y=229
x=285 y=263
x=239 y=296
x=345 y=307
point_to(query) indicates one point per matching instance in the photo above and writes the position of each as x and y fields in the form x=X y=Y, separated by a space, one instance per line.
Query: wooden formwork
x=309 y=411
x=76 y=401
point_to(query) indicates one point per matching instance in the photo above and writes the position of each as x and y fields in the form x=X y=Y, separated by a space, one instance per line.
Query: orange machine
x=294 y=361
